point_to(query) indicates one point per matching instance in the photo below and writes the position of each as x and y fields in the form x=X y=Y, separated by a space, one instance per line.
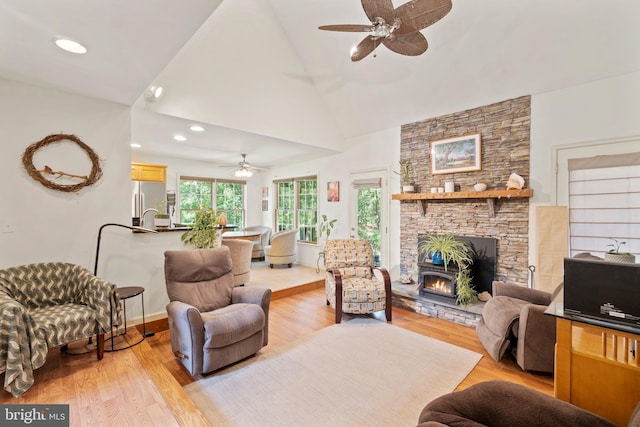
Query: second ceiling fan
x=396 y=28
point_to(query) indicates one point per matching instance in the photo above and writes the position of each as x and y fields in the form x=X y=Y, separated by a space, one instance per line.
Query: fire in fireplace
x=434 y=281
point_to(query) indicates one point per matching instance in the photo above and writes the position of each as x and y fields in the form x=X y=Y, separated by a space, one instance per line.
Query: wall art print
x=333 y=191
x=459 y=154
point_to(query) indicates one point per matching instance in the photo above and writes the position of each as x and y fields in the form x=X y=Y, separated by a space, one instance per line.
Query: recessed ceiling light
x=70 y=45
x=196 y=128
x=152 y=93
x=134 y=145
x=180 y=138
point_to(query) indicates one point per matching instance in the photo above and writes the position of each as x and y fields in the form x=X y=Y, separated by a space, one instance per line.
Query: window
x=222 y=195
x=604 y=203
x=297 y=207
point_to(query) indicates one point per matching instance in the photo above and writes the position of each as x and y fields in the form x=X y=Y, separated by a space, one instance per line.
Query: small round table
x=124 y=294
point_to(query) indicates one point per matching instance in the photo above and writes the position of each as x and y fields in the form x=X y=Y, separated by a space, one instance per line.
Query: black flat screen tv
x=602 y=290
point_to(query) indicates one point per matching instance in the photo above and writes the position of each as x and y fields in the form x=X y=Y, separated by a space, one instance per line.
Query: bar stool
x=124 y=294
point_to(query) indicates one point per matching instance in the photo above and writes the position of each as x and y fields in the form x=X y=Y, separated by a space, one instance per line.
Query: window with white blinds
x=604 y=203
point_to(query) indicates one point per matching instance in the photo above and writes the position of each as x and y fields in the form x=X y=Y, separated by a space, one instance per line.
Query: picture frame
x=458 y=154
x=265 y=205
x=333 y=191
x=265 y=192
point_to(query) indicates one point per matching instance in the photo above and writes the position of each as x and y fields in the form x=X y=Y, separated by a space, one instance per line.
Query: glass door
x=369 y=206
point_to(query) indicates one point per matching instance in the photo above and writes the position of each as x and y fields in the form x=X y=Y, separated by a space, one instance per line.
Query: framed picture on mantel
x=459 y=154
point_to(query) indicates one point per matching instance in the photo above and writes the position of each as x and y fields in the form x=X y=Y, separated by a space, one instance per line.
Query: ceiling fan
x=244 y=169
x=396 y=28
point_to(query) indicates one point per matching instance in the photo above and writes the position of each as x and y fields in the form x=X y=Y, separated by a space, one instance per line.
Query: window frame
x=214 y=182
x=297 y=209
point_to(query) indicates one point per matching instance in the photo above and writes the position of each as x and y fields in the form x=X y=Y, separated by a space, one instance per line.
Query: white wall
x=50 y=225
x=576 y=116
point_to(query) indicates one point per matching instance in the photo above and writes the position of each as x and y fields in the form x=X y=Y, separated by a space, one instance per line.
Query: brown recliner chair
x=504 y=404
x=212 y=323
x=514 y=318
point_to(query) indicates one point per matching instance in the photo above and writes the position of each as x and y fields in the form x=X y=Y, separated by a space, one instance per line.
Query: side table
x=124 y=294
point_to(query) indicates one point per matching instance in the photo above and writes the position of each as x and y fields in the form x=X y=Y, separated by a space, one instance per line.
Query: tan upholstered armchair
x=241 y=259
x=282 y=249
x=261 y=242
x=352 y=284
x=212 y=323
x=46 y=305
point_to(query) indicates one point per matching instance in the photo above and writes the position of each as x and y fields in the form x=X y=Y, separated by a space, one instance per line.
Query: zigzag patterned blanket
x=45 y=305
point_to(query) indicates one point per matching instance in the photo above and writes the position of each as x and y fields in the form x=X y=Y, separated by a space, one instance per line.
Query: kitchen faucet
x=143 y=214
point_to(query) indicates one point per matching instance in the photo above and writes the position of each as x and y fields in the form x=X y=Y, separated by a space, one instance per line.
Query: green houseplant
x=614 y=254
x=204 y=232
x=449 y=250
x=405 y=176
x=325 y=227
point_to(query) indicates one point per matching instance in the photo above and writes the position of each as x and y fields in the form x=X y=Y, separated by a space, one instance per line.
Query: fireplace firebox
x=437 y=282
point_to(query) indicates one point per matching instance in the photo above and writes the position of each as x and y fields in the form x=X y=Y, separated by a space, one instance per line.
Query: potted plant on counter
x=445 y=249
x=614 y=254
x=204 y=232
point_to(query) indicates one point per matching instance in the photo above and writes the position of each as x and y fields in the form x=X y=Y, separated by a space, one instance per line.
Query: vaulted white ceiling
x=260 y=73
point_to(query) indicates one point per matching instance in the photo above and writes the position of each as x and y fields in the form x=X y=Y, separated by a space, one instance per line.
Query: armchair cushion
x=231 y=324
x=200 y=277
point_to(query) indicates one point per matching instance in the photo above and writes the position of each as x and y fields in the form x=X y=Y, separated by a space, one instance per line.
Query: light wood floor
x=143 y=385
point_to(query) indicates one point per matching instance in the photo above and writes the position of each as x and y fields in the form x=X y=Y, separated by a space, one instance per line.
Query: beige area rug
x=281 y=277
x=363 y=372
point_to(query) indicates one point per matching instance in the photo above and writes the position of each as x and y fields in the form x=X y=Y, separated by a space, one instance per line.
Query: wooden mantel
x=490 y=196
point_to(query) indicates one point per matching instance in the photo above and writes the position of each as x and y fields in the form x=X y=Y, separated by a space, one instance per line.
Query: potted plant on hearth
x=445 y=249
x=614 y=254
x=405 y=176
x=204 y=232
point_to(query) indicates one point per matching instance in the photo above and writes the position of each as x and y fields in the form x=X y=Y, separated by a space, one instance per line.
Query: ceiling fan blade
x=412 y=44
x=365 y=47
x=350 y=28
x=418 y=14
x=379 y=8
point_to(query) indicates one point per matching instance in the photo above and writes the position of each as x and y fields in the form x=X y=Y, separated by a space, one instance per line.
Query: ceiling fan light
x=243 y=173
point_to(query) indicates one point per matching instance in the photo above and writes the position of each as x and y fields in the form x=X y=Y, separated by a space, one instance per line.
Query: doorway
x=369 y=208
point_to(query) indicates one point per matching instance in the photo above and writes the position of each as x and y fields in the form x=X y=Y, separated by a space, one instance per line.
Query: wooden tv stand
x=597 y=365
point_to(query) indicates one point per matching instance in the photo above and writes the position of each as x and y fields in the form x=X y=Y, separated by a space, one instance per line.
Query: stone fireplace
x=505 y=132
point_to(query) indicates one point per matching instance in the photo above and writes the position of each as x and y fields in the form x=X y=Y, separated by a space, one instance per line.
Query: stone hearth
x=408 y=296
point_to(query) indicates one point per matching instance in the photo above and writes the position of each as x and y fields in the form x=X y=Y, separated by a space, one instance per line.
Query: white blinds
x=604 y=203
x=367 y=183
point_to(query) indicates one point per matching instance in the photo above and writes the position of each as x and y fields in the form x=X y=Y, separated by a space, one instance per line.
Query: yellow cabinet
x=148 y=172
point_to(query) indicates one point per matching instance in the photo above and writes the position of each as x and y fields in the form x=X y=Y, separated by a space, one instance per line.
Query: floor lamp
x=89 y=345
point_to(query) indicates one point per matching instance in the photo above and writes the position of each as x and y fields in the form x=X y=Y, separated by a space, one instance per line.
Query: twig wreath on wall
x=46 y=175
